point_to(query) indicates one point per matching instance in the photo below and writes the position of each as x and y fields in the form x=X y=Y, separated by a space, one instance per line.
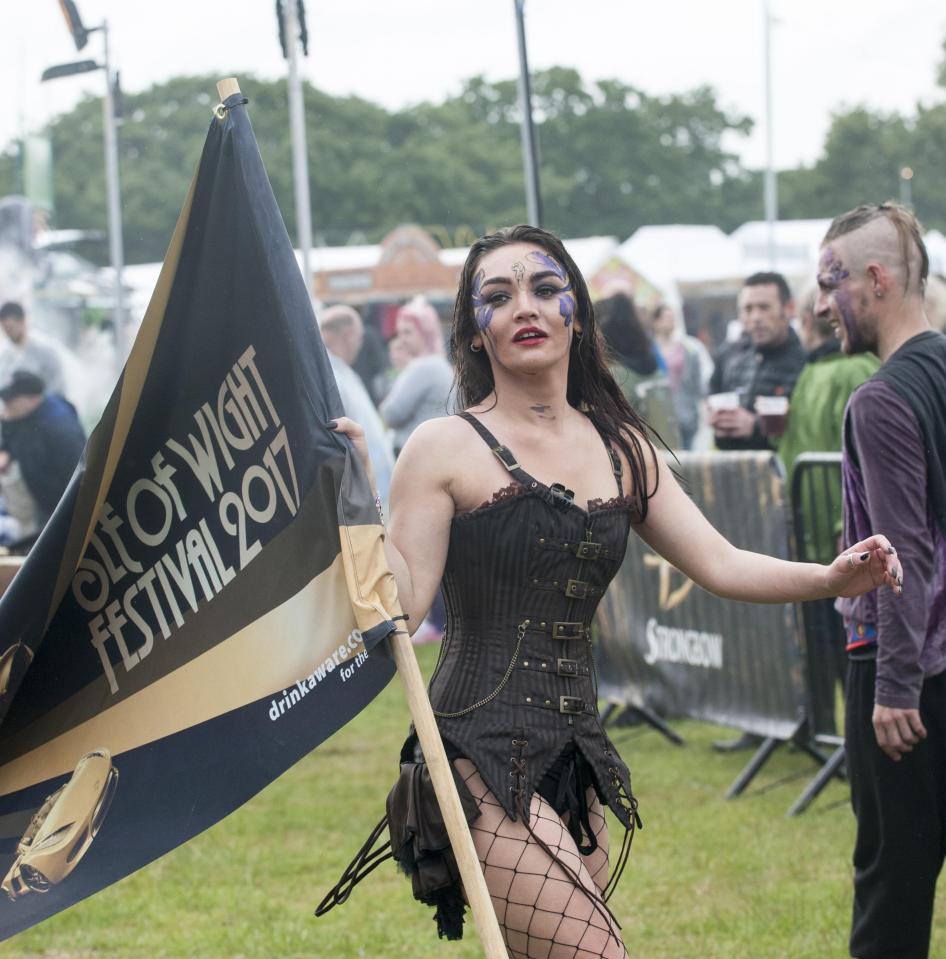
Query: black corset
x=515 y=685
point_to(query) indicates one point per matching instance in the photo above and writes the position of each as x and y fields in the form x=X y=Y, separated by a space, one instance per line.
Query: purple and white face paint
x=482 y=308
x=518 y=284
x=833 y=279
x=566 y=295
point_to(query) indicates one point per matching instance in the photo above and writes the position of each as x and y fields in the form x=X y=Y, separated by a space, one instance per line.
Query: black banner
x=666 y=644
x=200 y=611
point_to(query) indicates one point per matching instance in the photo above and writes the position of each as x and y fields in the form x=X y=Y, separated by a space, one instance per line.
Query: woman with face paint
x=521 y=506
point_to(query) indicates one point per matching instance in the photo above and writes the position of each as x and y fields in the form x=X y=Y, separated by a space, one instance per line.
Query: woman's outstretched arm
x=677 y=530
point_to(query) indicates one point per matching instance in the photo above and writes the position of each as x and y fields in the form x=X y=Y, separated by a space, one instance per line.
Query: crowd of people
x=514 y=515
x=392 y=387
x=689 y=396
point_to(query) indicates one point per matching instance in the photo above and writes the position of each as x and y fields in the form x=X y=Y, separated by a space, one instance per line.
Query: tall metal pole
x=113 y=190
x=906 y=186
x=771 y=186
x=300 y=165
x=529 y=157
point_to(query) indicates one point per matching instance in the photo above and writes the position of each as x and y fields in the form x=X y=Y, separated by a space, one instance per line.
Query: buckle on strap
x=588 y=550
x=576 y=589
x=568 y=630
x=567 y=667
x=505 y=456
x=616 y=466
x=571 y=705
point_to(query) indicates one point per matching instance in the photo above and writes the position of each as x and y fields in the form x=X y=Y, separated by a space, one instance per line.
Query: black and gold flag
x=203 y=607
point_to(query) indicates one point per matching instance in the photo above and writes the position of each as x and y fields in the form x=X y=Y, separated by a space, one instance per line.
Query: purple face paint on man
x=482 y=309
x=831 y=268
x=832 y=276
x=566 y=296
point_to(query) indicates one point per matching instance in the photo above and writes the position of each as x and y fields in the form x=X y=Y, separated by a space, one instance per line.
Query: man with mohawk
x=871 y=278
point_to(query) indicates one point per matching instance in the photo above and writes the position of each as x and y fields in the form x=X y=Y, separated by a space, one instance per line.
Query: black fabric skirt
x=419 y=841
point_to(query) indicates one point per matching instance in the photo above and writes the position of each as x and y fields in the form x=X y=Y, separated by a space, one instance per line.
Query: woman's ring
x=850 y=560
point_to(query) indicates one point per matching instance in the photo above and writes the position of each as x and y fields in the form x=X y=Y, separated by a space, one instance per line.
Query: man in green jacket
x=814 y=426
x=818 y=400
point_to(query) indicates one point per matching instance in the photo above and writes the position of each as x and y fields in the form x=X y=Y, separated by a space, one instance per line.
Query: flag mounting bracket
x=226 y=88
x=220 y=111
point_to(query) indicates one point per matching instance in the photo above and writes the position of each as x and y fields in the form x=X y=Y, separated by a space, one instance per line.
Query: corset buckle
x=568 y=630
x=588 y=550
x=571 y=705
x=568 y=667
x=506 y=457
x=576 y=589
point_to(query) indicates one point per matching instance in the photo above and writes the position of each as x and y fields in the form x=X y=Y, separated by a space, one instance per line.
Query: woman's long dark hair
x=591 y=387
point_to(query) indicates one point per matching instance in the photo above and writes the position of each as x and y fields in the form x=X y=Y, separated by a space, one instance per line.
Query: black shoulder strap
x=616 y=467
x=502 y=453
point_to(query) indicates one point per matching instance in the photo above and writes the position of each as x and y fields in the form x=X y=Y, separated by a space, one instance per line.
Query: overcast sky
x=827 y=54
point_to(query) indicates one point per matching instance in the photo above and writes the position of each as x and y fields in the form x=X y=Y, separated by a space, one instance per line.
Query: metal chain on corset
x=520 y=633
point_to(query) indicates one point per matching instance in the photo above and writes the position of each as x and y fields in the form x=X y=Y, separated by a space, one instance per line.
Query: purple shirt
x=885 y=475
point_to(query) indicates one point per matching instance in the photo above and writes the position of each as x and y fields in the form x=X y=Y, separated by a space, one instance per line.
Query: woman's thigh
x=546 y=898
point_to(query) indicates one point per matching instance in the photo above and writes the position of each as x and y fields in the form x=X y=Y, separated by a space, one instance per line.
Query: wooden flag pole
x=441 y=773
x=227 y=87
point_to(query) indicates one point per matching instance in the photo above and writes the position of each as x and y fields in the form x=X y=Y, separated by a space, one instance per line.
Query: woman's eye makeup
x=566 y=296
x=486 y=301
x=482 y=308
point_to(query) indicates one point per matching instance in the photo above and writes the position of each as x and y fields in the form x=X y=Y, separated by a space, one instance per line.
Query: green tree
x=925 y=158
x=160 y=139
x=863 y=154
x=612 y=158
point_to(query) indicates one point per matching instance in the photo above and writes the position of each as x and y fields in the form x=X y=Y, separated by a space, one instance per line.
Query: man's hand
x=4 y=461
x=897 y=730
x=738 y=422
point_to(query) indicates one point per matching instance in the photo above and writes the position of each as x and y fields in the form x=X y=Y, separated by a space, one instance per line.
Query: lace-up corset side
x=515 y=686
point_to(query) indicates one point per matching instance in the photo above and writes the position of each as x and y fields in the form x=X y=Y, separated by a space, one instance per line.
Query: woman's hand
x=864 y=566
x=356 y=433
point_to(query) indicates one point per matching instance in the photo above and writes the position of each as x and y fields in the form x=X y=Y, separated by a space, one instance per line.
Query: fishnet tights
x=541 y=912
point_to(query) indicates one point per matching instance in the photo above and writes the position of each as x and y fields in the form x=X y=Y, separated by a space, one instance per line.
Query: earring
x=474 y=348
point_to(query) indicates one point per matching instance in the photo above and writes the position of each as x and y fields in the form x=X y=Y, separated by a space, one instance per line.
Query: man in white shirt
x=342 y=333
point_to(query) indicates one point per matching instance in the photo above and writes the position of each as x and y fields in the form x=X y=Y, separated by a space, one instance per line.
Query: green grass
x=706 y=877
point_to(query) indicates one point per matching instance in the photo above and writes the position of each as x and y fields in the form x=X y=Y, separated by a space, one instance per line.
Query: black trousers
x=827 y=662
x=901 y=823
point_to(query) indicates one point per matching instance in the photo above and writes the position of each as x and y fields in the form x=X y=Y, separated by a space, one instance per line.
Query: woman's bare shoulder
x=440 y=429
x=440 y=439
